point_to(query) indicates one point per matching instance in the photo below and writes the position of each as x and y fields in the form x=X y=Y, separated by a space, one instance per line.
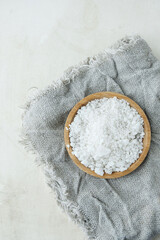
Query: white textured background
x=38 y=40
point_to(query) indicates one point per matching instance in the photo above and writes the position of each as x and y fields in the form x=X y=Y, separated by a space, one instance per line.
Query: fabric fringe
x=59 y=188
x=55 y=182
x=70 y=74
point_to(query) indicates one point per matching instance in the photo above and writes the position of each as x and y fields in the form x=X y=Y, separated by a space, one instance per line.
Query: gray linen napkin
x=124 y=208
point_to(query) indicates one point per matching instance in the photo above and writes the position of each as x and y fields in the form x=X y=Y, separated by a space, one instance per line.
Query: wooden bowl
x=146 y=139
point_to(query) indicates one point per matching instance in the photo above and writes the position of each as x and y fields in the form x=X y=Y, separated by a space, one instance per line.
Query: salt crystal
x=99 y=171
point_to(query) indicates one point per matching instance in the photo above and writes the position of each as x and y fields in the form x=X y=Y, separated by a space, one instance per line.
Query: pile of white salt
x=106 y=135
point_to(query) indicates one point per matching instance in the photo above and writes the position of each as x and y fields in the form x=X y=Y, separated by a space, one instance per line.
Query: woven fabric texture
x=114 y=209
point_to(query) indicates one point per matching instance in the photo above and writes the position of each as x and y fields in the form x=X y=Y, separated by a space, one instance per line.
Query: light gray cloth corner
x=115 y=209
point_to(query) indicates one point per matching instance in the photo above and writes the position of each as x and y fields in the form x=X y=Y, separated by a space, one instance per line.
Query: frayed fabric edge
x=61 y=192
x=70 y=74
x=55 y=182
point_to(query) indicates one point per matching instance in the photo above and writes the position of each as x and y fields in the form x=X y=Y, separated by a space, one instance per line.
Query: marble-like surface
x=38 y=40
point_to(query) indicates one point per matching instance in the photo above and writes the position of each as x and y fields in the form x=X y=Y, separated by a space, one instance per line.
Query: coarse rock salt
x=106 y=135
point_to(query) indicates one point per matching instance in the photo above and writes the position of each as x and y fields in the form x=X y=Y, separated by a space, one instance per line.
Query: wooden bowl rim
x=146 y=139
